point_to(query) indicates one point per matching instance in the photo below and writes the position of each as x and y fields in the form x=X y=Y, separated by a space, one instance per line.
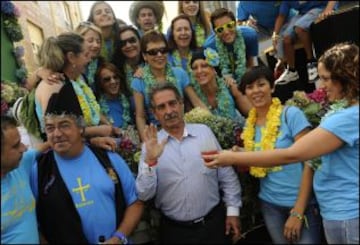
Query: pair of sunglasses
x=130 y=40
x=108 y=79
x=230 y=25
x=155 y=51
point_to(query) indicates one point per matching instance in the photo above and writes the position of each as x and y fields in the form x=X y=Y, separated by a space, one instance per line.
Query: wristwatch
x=121 y=237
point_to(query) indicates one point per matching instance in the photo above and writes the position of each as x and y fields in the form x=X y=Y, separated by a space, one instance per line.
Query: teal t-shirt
x=18 y=217
x=282 y=187
x=336 y=183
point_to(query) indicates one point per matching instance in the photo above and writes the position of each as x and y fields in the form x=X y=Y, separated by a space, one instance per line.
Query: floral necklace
x=88 y=104
x=199 y=34
x=335 y=107
x=222 y=99
x=125 y=106
x=129 y=71
x=150 y=80
x=107 y=49
x=91 y=70
x=178 y=60
x=226 y=58
x=269 y=134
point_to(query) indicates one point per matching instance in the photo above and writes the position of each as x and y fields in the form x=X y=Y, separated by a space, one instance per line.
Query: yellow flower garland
x=269 y=134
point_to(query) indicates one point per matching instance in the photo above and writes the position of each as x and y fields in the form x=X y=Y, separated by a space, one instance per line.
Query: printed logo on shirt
x=80 y=190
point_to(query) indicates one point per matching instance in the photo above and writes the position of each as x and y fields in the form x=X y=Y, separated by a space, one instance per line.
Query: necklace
x=224 y=107
x=150 y=80
x=125 y=106
x=335 y=107
x=88 y=104
x=269 y=134
x=90 y=71
x=107 y=49
x=178 y=61
x=227 y=59
x=199 y=34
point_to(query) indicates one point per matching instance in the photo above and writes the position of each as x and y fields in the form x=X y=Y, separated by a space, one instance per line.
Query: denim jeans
x=275 y=218
x=342 y=231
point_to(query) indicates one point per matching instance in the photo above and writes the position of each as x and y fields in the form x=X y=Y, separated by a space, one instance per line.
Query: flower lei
x=178 y=61
x=225 y=56
x=125 y=105
x=335 y=107
x=88 y=104
x=150 y=80
x=199 y=34
x=269 y=134
x=222 y=98
x=107 y=49
x=91 y=70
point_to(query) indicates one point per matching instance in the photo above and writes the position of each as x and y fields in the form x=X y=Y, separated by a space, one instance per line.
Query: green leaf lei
x=222 y=98
x=199 y=34
x=225 y=56
x=125 y=105
x=177 y=60
x=91 y=70
x=150 y=80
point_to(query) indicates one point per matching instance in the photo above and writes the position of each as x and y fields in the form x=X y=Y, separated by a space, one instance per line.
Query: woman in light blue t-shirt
x=336 y=140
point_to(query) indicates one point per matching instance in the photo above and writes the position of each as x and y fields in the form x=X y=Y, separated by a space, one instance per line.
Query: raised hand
x=152 y=146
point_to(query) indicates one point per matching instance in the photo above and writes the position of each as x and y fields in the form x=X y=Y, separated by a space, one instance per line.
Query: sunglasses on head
x=156 y=51
x=130 y=40
x=220 y=29
x=85 y=23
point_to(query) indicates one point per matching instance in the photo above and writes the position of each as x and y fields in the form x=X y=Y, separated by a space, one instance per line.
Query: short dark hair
x=254 y=73
x=152 y=36
x=219 y=13
x=161 y=87
x=6 y=122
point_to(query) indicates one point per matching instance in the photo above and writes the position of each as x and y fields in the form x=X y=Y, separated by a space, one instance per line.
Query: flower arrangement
x=129 y=148
x=225 y=130
x=314 y=105
x=212 y=57
x=10 y=92
x=10 y=13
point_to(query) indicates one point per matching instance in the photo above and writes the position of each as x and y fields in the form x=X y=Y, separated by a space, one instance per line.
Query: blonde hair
x=85 y=26
x=52 y=54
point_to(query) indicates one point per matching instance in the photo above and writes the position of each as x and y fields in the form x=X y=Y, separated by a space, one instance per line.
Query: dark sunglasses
x=230 y=25
x=130 y=40
x=108 y=79
x=155 y=51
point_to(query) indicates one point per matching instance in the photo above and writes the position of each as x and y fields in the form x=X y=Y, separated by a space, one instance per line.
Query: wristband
x=121 y=237
x=299 y=217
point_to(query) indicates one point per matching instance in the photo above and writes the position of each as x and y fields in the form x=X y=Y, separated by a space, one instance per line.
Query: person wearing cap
x=172 y=172
x=147 y=15
x=223 y=99
x=82 y=192
x=237 y=45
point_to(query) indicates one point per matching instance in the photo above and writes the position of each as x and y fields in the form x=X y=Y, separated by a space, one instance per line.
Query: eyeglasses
x=230 y=25
x=130 y=40
x=155 y=51
x=108 y=79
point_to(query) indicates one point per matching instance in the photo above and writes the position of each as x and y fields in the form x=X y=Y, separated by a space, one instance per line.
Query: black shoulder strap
x=103 y=158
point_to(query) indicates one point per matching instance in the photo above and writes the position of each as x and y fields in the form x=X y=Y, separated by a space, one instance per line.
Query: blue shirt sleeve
x=126 y=177
x=210 y=41
x=250 y=39
x=295 y=120
x=242 y=14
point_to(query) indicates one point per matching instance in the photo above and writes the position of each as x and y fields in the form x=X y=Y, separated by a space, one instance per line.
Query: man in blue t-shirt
x=18 y=218
x=83 y=193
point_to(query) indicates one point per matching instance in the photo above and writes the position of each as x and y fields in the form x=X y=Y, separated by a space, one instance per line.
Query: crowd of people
x=107 y=77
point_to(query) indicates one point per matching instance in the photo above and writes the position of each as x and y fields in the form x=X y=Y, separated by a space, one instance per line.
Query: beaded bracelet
x=300 y=217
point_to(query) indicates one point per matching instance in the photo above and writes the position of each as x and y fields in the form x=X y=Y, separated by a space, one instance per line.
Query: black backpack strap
x=120 y=203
